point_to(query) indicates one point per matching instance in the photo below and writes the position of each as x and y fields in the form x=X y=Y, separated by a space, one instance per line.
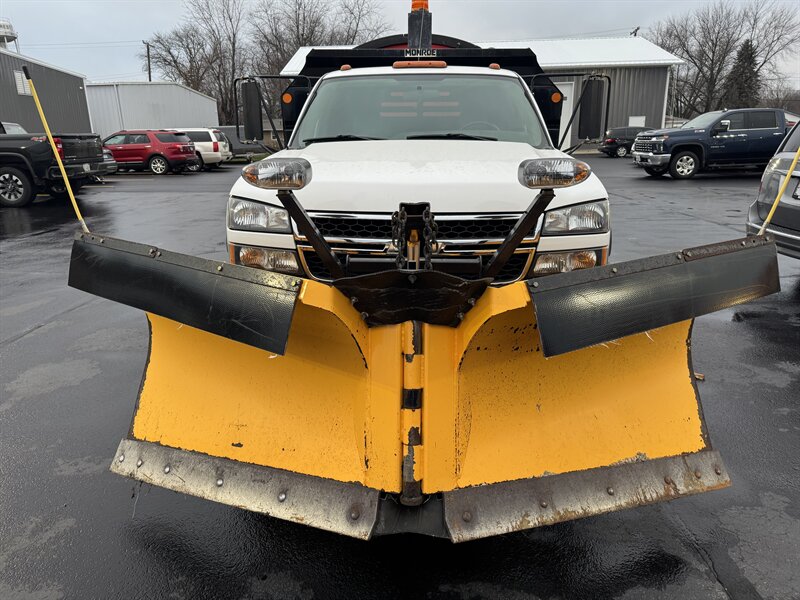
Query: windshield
x=398 y=107
x=702 y=121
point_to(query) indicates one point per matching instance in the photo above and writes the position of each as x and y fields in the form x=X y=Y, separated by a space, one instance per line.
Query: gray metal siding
x=148 y=106
x=62 y=96
x=635 y=91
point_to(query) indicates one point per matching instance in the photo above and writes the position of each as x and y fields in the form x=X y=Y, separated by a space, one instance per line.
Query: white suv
x=211 y=145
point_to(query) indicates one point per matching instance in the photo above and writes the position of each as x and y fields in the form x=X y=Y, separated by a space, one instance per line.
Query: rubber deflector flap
x=583 y=308
x=246 y=305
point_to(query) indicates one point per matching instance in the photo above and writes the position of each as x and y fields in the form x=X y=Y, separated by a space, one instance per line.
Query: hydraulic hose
x=780 y=193
x=55 y=151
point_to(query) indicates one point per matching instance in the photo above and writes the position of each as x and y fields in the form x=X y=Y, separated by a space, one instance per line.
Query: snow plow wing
x=547 y=400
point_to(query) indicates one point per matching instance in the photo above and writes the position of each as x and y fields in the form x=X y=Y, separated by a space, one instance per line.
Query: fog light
x=271 y=259
x=548 y=263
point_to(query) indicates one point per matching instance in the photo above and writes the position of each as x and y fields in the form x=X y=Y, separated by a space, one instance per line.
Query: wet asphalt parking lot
x=70 y=369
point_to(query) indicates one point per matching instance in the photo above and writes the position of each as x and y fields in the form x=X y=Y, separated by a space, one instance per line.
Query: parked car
x=109 y=166
x=619 y=140
x=785 y=224
x=211 y=146
x=157 y=150
x=722 y=139
x=241 y=149
x=27 y=164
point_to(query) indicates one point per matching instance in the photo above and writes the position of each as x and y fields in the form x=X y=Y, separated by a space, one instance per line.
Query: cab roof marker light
x=278 y=173
x=549 y=173
x=419 y=64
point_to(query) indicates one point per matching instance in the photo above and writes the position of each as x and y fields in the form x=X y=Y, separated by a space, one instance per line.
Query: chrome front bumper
x=649 y=159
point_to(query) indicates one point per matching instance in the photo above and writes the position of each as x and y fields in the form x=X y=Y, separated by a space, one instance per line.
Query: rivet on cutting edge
x=698 y=474
x=353 y=300
x=121 y=457
x=471 y=301
x=158 y=253
x=355 y=514
x=365 y=316
x=139 y=463
x=282 y=497
x=219 y=267
x=152 y=251
x=460 y=316
x=614 y=269
x=543 y=504
x=679 y=256
x=668 y=480
x=744 y=243
x=166 y=469
x=535 y=284
x=717 y=470
x=466 y=516
x=610 y=491
x=220 y=482
x=688 y=254
x=102 y=240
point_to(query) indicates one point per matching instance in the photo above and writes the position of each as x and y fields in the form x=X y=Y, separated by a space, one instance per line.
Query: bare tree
x=708 y=38
x=280 y=27
x=182 y=55
x=207 y=52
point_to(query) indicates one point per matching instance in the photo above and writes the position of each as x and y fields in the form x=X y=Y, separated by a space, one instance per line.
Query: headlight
x=271 y=259
x=591 y=217
x=552 y=172
x=549 y=263
x=254 y=216
x=278 y=173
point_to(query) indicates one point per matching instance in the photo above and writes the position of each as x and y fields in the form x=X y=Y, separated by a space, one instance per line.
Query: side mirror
x=592 y=110
x=251 y=109
x=722 y=126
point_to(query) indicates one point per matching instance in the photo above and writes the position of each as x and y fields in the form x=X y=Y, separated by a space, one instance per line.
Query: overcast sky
x=101 y=38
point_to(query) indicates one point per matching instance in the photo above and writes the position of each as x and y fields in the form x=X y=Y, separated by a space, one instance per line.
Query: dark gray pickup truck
x=722 y=139
x=27 y=164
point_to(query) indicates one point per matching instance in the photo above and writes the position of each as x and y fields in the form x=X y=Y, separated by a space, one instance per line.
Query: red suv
x=157 y=150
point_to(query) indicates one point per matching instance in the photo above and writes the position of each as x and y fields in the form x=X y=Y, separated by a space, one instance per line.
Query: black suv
x=618 y=141
x=722 y=139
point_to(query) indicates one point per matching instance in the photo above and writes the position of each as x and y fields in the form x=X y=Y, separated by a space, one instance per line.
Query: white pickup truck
x=450 y=136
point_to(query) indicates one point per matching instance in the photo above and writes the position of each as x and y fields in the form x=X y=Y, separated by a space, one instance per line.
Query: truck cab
x=721 y=139
x=450 y=136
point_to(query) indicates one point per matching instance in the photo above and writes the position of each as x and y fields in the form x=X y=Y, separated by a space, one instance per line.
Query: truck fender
x=698 y=149
x=21 y=160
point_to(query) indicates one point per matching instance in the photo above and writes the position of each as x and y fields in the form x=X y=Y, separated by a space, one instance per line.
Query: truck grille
x=643 y=146
x=369 y=228
x=516 y=267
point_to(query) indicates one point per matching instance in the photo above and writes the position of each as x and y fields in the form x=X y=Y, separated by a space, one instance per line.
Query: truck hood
x=455 y=176
x=674 y=132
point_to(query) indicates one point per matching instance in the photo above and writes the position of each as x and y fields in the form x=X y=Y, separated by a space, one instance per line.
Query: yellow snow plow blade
x=462 y=431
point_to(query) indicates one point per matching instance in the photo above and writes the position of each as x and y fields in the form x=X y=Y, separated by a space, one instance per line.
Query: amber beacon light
x=419 y=5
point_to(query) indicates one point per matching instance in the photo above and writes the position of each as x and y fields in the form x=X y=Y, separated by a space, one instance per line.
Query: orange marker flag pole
x=55 y=150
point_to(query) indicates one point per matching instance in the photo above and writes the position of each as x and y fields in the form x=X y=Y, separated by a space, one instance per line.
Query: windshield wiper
x=345 y=137
x=450 y=136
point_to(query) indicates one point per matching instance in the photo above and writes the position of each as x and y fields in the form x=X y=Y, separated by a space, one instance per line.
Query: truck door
x=137 y=147
x=728 y=147
x=765 y=134
x=116 y=144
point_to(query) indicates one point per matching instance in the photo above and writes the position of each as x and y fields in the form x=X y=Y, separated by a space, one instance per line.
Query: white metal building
x=639 y=72
x=148 y=105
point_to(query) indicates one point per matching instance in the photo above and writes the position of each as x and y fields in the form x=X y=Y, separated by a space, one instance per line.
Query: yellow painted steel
x=494 y=409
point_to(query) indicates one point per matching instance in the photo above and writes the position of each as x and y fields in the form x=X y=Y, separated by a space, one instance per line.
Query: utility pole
x=149 y=73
